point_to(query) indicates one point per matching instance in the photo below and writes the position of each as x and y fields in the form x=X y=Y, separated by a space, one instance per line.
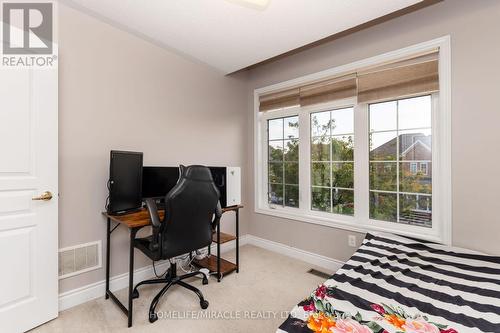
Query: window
x=423 y=168
x=369 y=150
x=283 y=161
x=332 y=161
x=413 y=168
x=400 y=139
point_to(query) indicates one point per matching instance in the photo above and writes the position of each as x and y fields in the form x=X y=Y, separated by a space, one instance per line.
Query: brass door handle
x=46 y=196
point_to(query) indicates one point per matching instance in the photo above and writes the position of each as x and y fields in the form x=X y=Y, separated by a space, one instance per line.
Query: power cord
x=189 y=268
x=154 y=270
x=106 y=205
x=185 y=263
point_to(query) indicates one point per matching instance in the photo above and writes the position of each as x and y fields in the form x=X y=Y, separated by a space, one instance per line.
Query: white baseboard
x=312 y=258
x=95 y=290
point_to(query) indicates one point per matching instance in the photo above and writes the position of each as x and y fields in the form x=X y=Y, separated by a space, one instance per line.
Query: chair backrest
x=189 y=209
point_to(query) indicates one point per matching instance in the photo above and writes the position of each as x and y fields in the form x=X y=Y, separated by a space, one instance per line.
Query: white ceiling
x=232 y=34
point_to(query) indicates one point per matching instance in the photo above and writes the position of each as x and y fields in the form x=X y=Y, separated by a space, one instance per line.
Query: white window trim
x=441 y=230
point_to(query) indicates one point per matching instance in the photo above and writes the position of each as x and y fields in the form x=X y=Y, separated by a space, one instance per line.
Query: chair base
x=169 y=280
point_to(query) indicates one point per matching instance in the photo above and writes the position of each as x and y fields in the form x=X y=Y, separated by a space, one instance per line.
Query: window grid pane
x=401 y=161
x=332 y=161
x=283 y=161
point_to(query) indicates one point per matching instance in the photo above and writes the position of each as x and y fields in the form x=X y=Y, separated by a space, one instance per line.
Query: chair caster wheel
x=204 y=281
x=204 y=304
x=153 y=317
x=135 y=294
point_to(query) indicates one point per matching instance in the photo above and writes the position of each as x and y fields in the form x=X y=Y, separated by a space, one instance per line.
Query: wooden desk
x=134 y=222
x=137 y=219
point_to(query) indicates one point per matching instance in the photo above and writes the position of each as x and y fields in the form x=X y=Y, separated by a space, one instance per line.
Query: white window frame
x=332 y=106
x=360 y=222
x=285 y=113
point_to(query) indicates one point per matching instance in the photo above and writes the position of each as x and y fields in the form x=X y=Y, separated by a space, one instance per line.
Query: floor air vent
x=319 y=273
x=79 y=259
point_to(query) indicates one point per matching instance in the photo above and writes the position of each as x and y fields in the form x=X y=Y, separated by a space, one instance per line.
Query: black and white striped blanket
x=393 y=284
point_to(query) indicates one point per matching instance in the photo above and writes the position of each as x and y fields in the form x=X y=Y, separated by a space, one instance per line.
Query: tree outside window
x=332 y=161
x=283 y=161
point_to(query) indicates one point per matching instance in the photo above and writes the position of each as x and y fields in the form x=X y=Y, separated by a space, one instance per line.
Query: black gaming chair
x=191 y=208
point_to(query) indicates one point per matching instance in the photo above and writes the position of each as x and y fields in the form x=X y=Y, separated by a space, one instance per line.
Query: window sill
x=350 y=223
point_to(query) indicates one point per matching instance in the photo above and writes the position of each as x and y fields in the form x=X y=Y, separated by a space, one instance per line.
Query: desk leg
x=108 y=246
x=218 y=252
x=131 y=276
x=237 y=240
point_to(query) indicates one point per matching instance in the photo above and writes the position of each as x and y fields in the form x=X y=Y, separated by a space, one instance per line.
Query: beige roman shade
x=312 y=93
x=404 y=78
x=279 y=100
x=414 y=75
x=328 y=90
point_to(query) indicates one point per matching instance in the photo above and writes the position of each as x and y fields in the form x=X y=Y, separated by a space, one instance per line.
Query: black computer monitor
x=158 y=181
x=125 y=181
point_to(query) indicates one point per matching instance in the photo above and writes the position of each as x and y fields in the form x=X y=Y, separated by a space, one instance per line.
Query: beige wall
x=120 y=92
x=474 y=27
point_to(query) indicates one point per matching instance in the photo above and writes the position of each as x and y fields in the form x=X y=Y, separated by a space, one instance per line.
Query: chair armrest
x=153 y=212
x=217 y=216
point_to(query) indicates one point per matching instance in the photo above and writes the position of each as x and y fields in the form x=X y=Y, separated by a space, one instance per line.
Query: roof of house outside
x=407 y=141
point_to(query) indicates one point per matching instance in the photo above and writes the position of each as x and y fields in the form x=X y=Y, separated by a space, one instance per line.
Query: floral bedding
x=397 y=285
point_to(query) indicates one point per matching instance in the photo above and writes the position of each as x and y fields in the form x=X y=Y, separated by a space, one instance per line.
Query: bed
x=394 y=284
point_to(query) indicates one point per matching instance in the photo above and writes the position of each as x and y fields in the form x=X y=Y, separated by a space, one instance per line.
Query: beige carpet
x=250 y=301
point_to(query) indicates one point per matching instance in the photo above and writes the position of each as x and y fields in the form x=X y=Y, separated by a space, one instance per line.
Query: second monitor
x=158 y=181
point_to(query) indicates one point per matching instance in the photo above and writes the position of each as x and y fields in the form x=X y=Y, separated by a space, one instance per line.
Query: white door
x=28 y=228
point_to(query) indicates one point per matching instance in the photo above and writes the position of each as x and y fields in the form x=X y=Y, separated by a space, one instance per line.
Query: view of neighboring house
x=416 y=148
x=414 y=155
